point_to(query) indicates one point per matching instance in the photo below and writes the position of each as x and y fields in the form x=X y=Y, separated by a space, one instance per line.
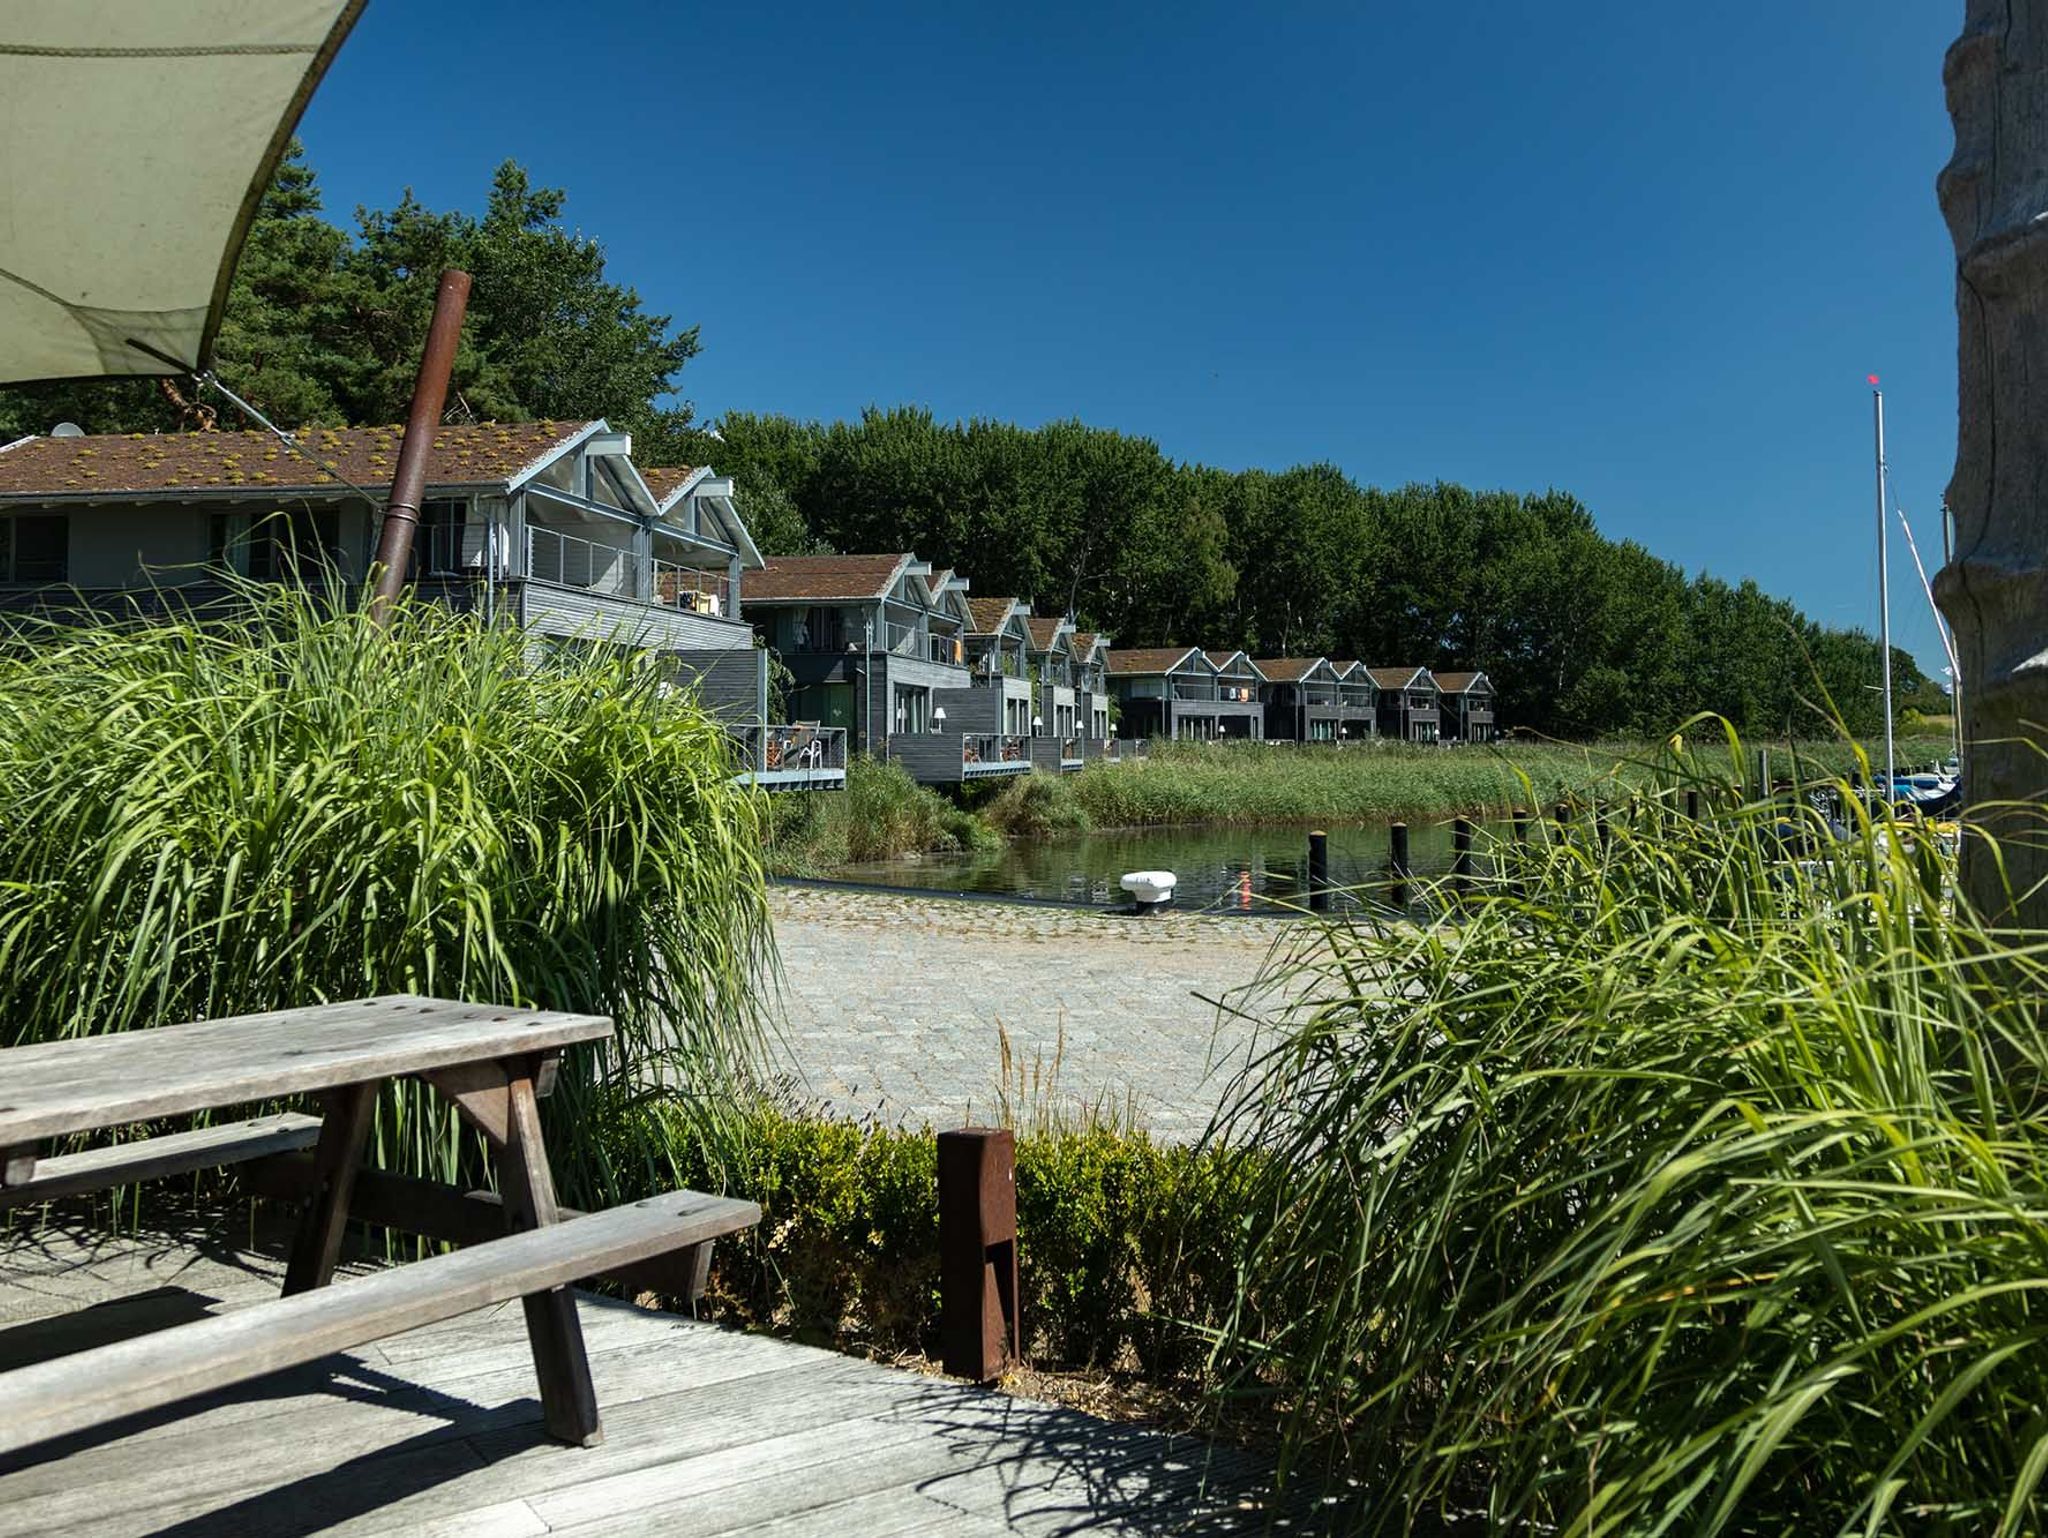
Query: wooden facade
x=1178 y=693
x=1467 y=707
x=1409 y=707
x=870 y=643
x=1091 y=689
x=1307 y=700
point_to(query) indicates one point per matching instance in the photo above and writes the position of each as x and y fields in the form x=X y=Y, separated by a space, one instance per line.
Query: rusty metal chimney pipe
x=408 y=485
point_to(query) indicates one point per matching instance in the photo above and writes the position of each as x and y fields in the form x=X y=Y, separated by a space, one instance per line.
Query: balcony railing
x=943 y=649
x=552 y=556
x=1125 y=747
x=687 y=587
x=806 y=749
x=1194 y=689
x=1070 y=750
x=994 y=750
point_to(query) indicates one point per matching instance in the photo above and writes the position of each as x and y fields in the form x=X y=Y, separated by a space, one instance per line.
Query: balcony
x=686 y=587
x=948 y=758
x=794 y=757
x=567 y=561
x=994 y=753
x=1122 y=749
x=1194 y=689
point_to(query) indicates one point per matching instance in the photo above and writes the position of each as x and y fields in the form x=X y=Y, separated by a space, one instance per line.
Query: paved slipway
x=895 y=1007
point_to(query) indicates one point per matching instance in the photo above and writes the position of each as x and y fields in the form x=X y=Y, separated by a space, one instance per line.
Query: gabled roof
x=1462 y=683
x=822 y=578
x=487 y=454
x=990 y=615
x=1401 y=678
x=1150 y=659
x=1345 y=669
x=1046 y=633
x=1085 y=643
x=1222 y=660
x=1288 y=670
x=669 y=482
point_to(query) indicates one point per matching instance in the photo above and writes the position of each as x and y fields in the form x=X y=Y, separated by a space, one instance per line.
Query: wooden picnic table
x=494 y=1064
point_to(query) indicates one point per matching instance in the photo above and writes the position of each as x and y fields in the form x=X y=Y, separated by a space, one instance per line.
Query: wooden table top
x=89 y=1082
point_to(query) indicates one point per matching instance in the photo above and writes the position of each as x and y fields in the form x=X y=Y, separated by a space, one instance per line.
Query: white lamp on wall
x=939 y=719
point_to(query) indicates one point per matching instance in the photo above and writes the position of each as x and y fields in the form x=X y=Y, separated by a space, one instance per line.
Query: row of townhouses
x=553 y=526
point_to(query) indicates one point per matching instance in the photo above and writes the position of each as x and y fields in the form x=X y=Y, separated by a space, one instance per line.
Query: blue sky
x=1644 y=252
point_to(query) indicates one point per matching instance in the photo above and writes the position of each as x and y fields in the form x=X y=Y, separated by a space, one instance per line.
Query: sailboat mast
x=1955 y=666
x=1884 y=594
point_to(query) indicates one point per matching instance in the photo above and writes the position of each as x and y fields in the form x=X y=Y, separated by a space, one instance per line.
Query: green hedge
x=1123 y=1258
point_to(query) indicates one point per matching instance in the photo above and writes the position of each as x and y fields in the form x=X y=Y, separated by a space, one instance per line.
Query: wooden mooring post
x=1397 y=861
x=1692 y=803
x=1461 y=851
x=1318 y=872
x=979 y=1331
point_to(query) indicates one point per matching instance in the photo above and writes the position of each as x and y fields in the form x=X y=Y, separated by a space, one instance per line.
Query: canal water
x=1220 y=869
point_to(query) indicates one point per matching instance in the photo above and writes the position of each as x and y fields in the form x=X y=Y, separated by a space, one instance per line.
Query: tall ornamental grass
x=286 y=805
x=1686 y=1177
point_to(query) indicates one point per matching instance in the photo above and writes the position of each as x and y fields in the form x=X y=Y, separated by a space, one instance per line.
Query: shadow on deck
x=707 y=1431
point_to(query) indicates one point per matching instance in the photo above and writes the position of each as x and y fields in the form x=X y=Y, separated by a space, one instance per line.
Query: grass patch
x=1193 y=784
x=882 y=814
x=288 y=806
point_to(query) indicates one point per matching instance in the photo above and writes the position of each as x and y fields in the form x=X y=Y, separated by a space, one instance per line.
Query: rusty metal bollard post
x=978 y=1326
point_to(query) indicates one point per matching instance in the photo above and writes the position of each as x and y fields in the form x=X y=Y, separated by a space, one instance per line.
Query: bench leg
x=568 y=1399
x=344 y=1129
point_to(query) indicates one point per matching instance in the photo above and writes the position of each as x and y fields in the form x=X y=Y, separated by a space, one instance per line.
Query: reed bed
x=1689 y=1177
x=283 y=805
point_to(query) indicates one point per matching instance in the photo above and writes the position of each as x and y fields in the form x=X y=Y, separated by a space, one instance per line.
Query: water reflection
x=1220 y=869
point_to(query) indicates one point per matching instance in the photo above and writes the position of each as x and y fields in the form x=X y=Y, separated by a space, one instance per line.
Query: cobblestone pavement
x=897 y=1006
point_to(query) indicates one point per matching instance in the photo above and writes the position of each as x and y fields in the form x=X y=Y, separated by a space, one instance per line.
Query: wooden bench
x=92 y=1387
x=154 y=1158
x=493 y=1064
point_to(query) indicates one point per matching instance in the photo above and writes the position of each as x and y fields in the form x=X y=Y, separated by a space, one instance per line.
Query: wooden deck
x=438 y=1432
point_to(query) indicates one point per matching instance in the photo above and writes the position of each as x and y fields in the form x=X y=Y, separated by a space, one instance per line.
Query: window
x=35 y=548
x=290 y=542
x=913 y=709
x=437 y=551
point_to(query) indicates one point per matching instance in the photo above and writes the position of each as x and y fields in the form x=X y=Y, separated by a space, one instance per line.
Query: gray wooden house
x=1056 y=726
x=1091 y=689
x=1302 y=698
x=1467 y=703
x=998 y=643
x=1177 y=692
x=548 y=525
x=1409 y=709
x=1357 y=701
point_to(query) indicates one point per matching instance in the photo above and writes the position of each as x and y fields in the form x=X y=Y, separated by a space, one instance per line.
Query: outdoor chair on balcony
x=970 y=751
x=807 y=746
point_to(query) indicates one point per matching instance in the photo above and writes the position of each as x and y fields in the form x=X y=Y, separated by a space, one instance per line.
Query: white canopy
x=139 y=138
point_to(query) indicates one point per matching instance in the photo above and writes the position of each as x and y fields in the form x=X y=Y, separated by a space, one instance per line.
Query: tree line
x=1583 y=635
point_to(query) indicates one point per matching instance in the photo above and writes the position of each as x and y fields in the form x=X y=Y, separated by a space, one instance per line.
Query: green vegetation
x=290 y=806
x=1679 y=1186
x=882 y=814
x=1116 y=1251
x=1584 y=636
x=1246 y=782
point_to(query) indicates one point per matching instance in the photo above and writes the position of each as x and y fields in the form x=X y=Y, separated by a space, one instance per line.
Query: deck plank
x=146 y=1372
x=709 y=1432
x=82 y=1084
